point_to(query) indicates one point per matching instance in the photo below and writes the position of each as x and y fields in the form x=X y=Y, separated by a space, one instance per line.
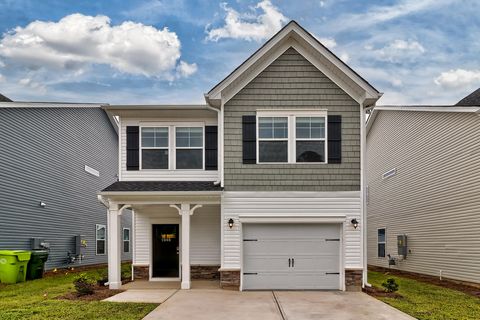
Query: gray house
x=262 y=186
x=423 y=176
x=54 y=157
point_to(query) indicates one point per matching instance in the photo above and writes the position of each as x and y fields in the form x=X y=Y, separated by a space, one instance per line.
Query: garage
x=291 y=256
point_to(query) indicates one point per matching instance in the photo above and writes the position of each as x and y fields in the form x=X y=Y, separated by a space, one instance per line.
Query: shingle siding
x=289 y=82
x=43 y=155
x=433 y=198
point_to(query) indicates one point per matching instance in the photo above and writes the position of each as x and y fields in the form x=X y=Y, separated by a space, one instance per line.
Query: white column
x=185 y=213
x=114 y=252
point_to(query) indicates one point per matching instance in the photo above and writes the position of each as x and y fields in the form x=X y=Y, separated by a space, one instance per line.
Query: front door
x=165 y=251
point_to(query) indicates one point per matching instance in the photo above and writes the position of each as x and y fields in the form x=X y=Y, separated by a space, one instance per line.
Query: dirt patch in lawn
x=376 y=292
x=100 y=293
x=446 y=283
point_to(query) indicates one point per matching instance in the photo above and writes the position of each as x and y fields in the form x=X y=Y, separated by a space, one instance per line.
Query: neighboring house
x=262 y=186
x=423 y=183
x=54 y=158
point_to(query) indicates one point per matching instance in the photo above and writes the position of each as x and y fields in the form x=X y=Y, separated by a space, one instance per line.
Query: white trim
x=92 y=171
x=189 y=148
x=140 y=156
x=104 y=240
x=384 y=242
x=129 y=240
x=292 y=219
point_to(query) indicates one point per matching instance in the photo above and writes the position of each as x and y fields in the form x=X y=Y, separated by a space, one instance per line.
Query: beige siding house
x=423 y=177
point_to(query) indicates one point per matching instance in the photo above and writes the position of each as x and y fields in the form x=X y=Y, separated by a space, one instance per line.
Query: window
x=101 y=239
x=273 y=139
x=154 y=147
x=310 y=139
x=126 y=240
x=189 y=147
x=381 y=237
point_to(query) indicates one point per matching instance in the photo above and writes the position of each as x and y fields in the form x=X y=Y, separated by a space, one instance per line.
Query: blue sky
x=164 y=51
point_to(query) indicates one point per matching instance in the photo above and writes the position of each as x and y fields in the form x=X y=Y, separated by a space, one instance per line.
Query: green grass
x=37 y=300
x=429 y=302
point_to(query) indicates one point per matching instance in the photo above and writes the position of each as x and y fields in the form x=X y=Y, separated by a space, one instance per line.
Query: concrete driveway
x=215 y=304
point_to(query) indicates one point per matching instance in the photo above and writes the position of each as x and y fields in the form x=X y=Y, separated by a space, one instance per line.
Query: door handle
x=293 y=262
x=289 y=261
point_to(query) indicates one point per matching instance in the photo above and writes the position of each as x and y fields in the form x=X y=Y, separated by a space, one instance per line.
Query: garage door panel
x=315 y=246
x=319 y=263
x=270 y=280
x=266 y=247
x=262 y=263
x=310 y=281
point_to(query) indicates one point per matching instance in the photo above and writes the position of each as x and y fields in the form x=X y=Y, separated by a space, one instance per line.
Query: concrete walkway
x=216 y=304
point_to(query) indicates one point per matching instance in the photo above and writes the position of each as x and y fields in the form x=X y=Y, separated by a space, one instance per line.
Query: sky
x=172 y=52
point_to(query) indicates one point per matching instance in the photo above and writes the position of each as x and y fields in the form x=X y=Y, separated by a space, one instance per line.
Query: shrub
x=126 y=271
x=390 y=285
x=102 y=277
x=84 y=284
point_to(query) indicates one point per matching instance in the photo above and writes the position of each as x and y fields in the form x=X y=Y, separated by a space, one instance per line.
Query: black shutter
x=132 y=148
x=334 y=139
x=211 y=148
x=249 y=139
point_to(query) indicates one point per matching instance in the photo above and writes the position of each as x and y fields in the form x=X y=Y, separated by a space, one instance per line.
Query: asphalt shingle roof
x=473 y=99
x=163 y=186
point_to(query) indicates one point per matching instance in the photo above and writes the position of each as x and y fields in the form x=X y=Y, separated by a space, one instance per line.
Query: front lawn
x=37 y=300
x=428 y=302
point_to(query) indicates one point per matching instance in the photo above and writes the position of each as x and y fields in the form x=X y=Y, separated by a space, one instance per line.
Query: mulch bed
x=450 y=284
x=376 y=292
x=100 y=293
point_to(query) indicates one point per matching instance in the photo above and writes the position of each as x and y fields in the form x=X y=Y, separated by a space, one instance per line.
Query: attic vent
x=389 y=173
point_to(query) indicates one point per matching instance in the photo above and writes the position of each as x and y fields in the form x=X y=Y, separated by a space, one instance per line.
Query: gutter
x=220 y=129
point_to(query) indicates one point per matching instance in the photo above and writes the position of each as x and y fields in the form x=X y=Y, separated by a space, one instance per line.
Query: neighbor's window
x=101 y=239
x=381 y=237
x=154 y=147
x=189 y=148
x=310 y=139
x=273 y=139
x=126 y=240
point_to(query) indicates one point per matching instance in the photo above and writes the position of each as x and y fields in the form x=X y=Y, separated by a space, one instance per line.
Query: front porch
x=175 y=235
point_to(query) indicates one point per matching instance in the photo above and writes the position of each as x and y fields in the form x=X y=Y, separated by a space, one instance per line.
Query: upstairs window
x=273 y=139
x=154 y=147
x=189 y=148
x=381 y=241
x=310 y=139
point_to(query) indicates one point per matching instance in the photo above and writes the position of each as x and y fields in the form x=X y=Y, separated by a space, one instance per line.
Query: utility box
x=38 y=244
x=402 y=245
x=80 y=245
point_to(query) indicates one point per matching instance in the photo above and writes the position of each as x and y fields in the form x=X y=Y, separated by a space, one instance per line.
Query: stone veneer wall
x=141 y=273
x=230 y=279
x=200 y=272
x=353 y=280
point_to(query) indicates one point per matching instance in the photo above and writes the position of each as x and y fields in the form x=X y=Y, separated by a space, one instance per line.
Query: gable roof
x=473 y=99
x=294 y=36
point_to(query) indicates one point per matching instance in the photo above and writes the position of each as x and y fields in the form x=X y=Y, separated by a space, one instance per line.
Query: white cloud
x=249 y=26
x=30 y=83
x=330 y=43
x=184 y=69
x=2 y=78
x=345 y=57
x=458 y=78
x=400 y=50
x=78 y=41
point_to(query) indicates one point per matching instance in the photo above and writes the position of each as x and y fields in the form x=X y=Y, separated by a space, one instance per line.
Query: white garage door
x=291 y=256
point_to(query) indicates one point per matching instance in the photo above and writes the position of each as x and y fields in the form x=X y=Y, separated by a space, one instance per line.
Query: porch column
x=185 y=213
x=114 y=252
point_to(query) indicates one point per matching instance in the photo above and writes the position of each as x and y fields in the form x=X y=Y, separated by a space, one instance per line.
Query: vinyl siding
x=433 y=198
x=161 y=175
x=287 y=204
x=289 y=82
x=43 y=155
x=204 y=233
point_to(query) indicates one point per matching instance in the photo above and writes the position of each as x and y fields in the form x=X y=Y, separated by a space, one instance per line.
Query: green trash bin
x=36 y=265
x=13 y=265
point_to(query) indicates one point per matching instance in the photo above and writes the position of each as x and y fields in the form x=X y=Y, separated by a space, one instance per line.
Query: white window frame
x=154 y=148
x=189 y=148
x=324 y=139
x=272 y=139
x=96 y=239
x=129 y=240
x=291 y=115
x=380 y=242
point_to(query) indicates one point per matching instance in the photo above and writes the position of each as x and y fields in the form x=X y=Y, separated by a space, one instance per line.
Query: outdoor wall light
x=354 y=223
x=42 y=204
x=230 y=223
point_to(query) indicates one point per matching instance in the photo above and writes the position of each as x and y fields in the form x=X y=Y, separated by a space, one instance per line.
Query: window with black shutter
x=249 y=139
x=334 y=139
x=132 y=147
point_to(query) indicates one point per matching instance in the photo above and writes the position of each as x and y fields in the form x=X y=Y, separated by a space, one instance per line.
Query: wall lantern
x=354 y=223
x=230 y=223
x=42 y=204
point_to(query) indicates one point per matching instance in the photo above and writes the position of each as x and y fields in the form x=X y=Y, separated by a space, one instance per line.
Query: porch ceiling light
x=42 y=204
x=354 y=223
x=230 y=223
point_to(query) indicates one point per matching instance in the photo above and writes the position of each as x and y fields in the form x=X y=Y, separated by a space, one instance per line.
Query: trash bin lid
x=22 y=255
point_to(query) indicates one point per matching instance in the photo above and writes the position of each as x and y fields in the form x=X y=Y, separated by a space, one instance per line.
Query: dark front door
x=165 y=251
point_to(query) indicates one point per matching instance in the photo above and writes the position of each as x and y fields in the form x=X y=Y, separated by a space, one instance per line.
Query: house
x=423 y=177
x=54 y=158
x=261 y=186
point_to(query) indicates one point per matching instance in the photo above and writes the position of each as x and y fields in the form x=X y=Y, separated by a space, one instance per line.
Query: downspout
x=220 y=141
x=363 y=144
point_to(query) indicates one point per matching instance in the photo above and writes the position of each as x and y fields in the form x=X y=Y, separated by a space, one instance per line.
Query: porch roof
x=165 y=186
